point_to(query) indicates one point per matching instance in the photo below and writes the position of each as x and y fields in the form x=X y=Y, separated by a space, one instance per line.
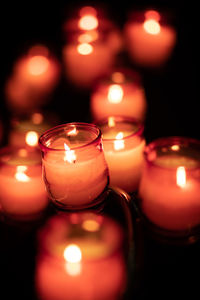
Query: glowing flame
x=118 y=77
x=87 y=10
x=91 y=225
x=84 y=48
x=152 y=26
x=73 y=256
x=32 y=138
x=88 y=37
x=88 y=22
x=70 y=155
x=175 y=147
x=115 y=93
x=38 y=65
x=153 y=15
x=181 y=177
x=72 y=132
x=119 y=142
x=37 y=118
x=20 y=176
x=111 y=122
x=23 y=152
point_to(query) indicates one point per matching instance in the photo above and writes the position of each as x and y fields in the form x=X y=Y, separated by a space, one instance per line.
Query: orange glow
x=73 y=269
x=88 y=22
x=152 y=27
x=118 y=77
x=38 y=50
x=85 y=49
x=153 y=15
x=175 y=147
x=72 y=254
x=181 y=177
x=115 y=93
x=23 y=152
x=72 y=132
x=38 y=65
x=32 y=138
x=119 y=142
x=37 y=118
x=88 y=37
x=70 y=155
x=20 y=176
x=111 y=122
x=91 y=225
x=87 y=10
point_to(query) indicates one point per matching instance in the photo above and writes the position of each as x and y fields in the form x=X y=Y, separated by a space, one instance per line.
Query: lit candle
x=74 y=167
x=80 y=257
x=149 y=42
x=26 y=131
x=170 y=183
x=22 y=191
x=123 y=146
x=121 y=93
x=34 y=77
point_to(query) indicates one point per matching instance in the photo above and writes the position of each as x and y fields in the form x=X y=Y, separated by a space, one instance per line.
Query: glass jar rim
x=49 y=133
x=168 y=141
x=120 y=119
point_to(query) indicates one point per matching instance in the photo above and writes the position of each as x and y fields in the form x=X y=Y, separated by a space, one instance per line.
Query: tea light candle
x=170 y=183
x=149 y=42
x=80 y=257
x=22 y=191
x=123 y=146
x=85 y=62
x=34 y=77
x=74 y=167
x=121 y=93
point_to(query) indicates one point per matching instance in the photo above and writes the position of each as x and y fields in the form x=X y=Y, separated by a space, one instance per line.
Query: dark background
x=163 y=271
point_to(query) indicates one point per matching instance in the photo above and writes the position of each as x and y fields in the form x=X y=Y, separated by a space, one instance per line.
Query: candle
x=74 y=167
x=80 y=257
x=34 y=77
x=25 y=131
x=22 y=191
x=170 y=183
x=149 y=42
x=120 y=93
x=123 y=146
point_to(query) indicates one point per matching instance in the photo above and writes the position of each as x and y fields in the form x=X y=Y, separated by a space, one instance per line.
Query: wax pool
x=74 y=167
x=22 y=191
x=148 y=42
x=120 y=93
x=80 y=257
x=170 y=184
x=123 y=146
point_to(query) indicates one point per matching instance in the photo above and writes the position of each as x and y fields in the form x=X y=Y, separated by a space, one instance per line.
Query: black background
x=172 y=94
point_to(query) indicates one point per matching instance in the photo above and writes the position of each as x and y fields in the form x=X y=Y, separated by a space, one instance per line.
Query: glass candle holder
x=22 y=190
x=169 y=188
x=80 y=257
x=74 y=168
x=123 y=145
x=119 y=93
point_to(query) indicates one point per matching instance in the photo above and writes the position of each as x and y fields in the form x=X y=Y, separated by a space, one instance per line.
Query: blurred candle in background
x=80 y=256
x=34 y=77
x=119 y=93
x=74 y=168
x=123 y=146
x=170 y=184
x=149 y=41
x=22 y=191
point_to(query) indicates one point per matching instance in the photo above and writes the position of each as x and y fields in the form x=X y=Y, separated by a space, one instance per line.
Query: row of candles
x=73 y=164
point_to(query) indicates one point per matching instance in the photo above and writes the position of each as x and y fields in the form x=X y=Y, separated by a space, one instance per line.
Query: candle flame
x=20 y=176
x=72 y=132
x=153 y=15
x=73 y=256
x=115 y=93
x=119 y=142
x=38 y=65
x=32 y=138
x=175 y=147
x=91 y=225
x=181 y=177
x=152 y=27
x=70 y=155
x=87 y=10
x=111 y=122
x=88 y=22
x=84 y=49
x=88 y=37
